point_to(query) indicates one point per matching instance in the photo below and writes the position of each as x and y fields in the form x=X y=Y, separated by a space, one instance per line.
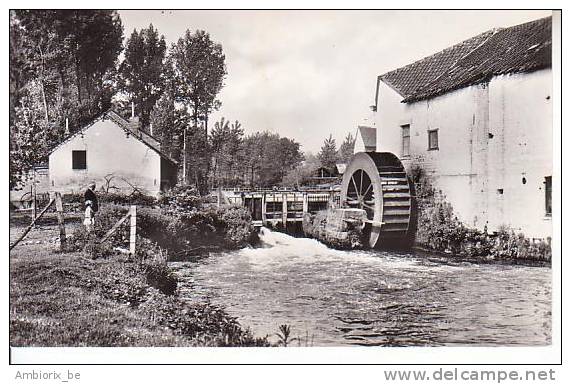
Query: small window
x=433 y=139
x=405 y=140
x=79 y=159
x=547 y=183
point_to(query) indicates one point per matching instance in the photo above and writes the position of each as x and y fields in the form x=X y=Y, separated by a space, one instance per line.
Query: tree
x=268 y=158
x=62 y=66
x=328 y=154
x=346 y=149
x=142 y=71
x=199 y=68
x=302 y=174
x=169 y=123
x=227 y=149
x=28 y=144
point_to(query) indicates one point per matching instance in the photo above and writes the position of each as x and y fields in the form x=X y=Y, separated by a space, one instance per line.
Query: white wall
x=521 y=119
x=469 y=167
x=109 y=151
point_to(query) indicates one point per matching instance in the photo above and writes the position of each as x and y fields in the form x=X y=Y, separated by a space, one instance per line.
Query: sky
x=308 y=74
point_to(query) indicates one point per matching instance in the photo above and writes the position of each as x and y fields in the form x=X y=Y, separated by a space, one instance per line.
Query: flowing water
x=332 y=298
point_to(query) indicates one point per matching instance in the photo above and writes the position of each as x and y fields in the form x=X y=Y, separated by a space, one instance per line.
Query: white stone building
x=478 y=117
x=114 y=153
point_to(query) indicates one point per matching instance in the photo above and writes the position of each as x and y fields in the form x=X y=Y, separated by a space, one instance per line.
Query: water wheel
x=377 y=182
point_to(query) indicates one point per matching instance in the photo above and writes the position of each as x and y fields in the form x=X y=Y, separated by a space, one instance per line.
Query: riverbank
x=97 y=297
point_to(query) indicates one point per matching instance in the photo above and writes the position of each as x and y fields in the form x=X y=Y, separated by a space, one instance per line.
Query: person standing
x=88 y=220
x=91 y=196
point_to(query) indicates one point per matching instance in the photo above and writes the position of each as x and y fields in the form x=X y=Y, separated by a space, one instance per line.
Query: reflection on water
x=334 y=297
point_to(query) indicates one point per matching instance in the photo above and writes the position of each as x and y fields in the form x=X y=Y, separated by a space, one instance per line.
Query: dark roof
x=139 y=134
x=521 y=48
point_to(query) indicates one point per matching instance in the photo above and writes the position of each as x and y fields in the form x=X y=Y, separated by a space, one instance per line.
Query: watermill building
x=477 y=117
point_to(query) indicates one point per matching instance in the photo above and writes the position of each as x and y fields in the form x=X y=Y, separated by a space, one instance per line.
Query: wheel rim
x=371 y=181
x=361 y=189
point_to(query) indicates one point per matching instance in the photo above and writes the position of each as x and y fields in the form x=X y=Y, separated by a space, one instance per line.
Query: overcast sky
x=306 y=74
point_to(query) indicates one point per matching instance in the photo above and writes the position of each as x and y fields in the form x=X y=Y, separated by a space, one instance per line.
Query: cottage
x=116 y=154
x=478 y=117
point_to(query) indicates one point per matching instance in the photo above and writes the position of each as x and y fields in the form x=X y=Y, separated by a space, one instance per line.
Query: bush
x=237 y=226
x=180 y=199
x=160 y=276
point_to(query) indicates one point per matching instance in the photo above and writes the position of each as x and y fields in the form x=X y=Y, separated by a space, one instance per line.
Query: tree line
x=65 y=70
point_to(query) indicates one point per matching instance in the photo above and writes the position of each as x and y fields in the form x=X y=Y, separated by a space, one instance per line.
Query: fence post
x=263 y=208
x=33 y=195
x=60 y=220
x=305 y=203
x=133 y=229
x=284 y=209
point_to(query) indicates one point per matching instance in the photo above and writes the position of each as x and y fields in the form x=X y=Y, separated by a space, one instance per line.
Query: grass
x=67 y=299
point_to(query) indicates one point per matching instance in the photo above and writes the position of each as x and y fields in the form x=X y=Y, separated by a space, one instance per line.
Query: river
x=333 y=298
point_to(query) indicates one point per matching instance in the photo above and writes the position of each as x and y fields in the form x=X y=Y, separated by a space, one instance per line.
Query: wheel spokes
x=355 y=185
x=368 y=189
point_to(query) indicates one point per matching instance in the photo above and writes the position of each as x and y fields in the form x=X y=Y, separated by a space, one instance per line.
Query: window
x=433 y=139
x=79 y=160
x=547 y=183
x=405 y=140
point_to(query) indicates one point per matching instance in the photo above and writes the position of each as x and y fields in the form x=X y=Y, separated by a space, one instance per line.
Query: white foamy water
x=331 y=297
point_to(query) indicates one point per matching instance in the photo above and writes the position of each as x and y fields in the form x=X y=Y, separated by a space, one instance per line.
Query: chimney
x=134 y=121
x=151 y=128
x=66 y=126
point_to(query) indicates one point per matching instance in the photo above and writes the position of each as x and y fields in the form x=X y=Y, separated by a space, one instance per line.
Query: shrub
x=160 y=276
x=81 y=240
x=237 y=226
x=180 y=199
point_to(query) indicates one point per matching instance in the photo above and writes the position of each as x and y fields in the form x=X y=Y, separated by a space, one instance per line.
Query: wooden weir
x=285 y=206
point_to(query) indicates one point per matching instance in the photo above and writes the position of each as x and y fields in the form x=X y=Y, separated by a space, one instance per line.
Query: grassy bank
x=93 y=295
x=66 y=299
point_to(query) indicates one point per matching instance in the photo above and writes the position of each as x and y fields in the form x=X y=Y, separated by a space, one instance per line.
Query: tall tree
x=200 y=68
x=142 y=71
x=328 y=154
x=198 y=65
x=346 y=149
x=169 y=123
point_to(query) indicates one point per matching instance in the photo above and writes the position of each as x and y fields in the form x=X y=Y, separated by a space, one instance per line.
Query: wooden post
x=60 y=220
x=284 y=209
x=264 y=208
x=133 y=235
x=33 y=194
x=305 y=203
x=114 y=228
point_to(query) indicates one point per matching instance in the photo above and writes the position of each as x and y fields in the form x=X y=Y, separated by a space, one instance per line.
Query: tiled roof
x=521 y=48
x=139 y=134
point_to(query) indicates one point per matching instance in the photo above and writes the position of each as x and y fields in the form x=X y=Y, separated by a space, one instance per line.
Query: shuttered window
x=433 y=139
x=79 y=160
x=405 y=140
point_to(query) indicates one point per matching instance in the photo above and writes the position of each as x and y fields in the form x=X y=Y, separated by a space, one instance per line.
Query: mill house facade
x=477 y=117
